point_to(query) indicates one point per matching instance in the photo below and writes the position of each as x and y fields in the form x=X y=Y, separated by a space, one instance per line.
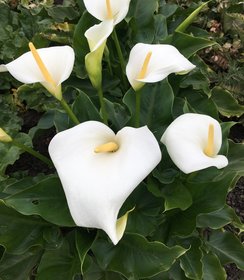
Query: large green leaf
x=236 y=158
x=212 y=268
x=167 y=9
x=161 y=31
x=219 y=219
x=141 y=258
x=188 y=44
x=94 y=272
x=84 y=109
x=176 y=195
x=156 y=104
x=198 y=102
x=207 y=197
x=142 y=22
x=18 y=232
x=62 y=263
x=83 y=242
x=45 y=198
x=145 y=216
x=176 y=272
x=12 y=186
x=117 y=114
x=227 y=247
x=191 y=260
x=226 y=103
x=19 y=267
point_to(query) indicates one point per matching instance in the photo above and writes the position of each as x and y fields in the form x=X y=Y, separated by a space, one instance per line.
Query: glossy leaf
x=142 y=22
x=226 y=103
x=191 y=261
x=206 y=198
x=156 y=104
x=236 y=158
x=227 y=247
x=62 y=263
x=94 y=272
x=17 y=232
x=189 y=45
x=141 y=258
x=176 y=272
x=21 y=266
x=167 y=9
x=83 y=242
x=161 y=31
x=199 y=102
x=118 y=115
x=219 y=219
x=212 y=268
x=176 y=195
x=146 y=214
x=84 y=109
x=45 y=198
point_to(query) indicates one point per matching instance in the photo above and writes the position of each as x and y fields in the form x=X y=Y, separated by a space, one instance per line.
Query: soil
x=236 y=200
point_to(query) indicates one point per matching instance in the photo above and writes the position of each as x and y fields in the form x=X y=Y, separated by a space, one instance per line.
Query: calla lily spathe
x=115 y=10
x=4 y=137
x=99 y=169
x=58 y=62
x=193 y=142
x=97 y=36
x=152 y=63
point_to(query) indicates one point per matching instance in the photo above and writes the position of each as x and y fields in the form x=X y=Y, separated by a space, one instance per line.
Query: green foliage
x=141 y=258
x=36 y=198
x=178 y=227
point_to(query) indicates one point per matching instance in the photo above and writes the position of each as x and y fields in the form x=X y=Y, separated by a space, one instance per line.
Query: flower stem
x=32 y=152
x=103 y=109
x=120 y=55
x=138 y=108
x=69 y=111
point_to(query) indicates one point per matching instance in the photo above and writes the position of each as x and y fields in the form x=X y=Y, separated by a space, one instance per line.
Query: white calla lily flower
x=97 y=36
x=152 y=63
x=99 y=169
x=115 y=10
x=48 y=66
x=193 y=142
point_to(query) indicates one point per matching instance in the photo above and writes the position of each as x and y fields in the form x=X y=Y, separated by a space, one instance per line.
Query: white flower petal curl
x=187 y=137
x=165 y=59
x=98 y=34
x=98 y=9
x=97 y=184
x=58 y=60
